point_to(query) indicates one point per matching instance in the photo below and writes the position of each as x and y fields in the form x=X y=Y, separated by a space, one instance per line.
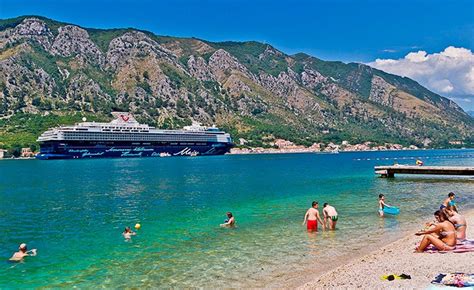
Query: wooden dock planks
x=390 y=171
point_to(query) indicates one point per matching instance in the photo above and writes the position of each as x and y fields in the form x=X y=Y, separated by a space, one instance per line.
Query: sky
x=350 y=31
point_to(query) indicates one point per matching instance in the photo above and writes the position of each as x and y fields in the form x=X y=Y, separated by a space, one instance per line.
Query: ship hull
x=81 y=150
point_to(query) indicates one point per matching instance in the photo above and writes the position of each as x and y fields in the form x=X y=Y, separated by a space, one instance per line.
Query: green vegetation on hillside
x=329 y=109
x=22 y=130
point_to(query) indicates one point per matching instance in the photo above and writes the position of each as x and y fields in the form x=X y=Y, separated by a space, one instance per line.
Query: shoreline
x=254 y=151
x=272 y=151
x=397 y=257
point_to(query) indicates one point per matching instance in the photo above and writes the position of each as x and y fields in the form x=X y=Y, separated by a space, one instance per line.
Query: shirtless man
x=22 y=252
x=229 y=222
x=330 y=216
x=312 y=217
x=449 y=202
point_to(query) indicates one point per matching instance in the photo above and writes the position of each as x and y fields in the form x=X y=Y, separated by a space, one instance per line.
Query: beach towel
x=455 y=279
x=463 y=246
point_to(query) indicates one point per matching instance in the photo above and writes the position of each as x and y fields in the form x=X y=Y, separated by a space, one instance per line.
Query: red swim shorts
x=312 y=225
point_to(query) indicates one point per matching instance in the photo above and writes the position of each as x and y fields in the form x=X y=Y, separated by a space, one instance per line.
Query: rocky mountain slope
x=55 y=72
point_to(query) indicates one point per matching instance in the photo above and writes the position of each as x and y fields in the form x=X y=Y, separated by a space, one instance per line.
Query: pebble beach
x=397 y=258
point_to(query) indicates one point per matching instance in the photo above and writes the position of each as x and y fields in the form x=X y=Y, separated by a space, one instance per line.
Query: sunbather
x=446 y=239
x=458 y=221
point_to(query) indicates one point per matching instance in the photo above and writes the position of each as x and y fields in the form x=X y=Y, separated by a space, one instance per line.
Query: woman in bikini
x=458 y=221
x=446 y=239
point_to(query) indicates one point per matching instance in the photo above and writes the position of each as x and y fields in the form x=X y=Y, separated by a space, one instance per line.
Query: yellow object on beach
x=138 y=226
x=393 y=277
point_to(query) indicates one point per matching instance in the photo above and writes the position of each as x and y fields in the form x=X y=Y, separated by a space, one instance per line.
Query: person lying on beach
x=312 y=217
x=449 y=201
x=330 y=216
x=229 y=222
x=128 y=233
x=22 y=252
x=446 y=234
x=459 y=222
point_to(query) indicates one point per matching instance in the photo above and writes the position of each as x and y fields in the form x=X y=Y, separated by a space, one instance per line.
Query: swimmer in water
x=127 y=234
x=22 y=252
x=229 y=222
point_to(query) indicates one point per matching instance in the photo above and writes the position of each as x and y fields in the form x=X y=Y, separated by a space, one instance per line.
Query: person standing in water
x=22 y=252
x=312 y=217
x=449 y=202
x=230 y=221
x=330 y=216
x=382 y=204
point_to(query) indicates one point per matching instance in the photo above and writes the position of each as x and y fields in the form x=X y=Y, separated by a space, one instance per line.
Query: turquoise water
x=74 y=211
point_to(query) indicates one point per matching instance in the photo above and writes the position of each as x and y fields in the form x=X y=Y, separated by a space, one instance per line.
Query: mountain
x=470 y=113
x=53 y=72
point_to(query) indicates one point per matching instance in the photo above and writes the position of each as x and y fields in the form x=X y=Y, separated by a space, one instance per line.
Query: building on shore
x=3 y=153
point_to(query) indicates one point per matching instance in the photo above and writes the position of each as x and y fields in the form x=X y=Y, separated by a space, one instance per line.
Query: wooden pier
x=389 y=171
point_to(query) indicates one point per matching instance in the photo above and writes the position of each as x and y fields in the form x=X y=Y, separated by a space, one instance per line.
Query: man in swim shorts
x=330 y=216
x=312 y=217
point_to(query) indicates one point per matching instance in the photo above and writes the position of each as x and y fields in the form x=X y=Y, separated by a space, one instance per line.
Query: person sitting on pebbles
x=22 y=252
x=445 y=234
x=459 y=222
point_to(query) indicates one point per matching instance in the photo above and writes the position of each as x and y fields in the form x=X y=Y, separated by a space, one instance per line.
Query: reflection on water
x=74 y=213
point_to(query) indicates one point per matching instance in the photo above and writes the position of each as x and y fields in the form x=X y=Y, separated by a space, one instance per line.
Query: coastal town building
x=3 y=153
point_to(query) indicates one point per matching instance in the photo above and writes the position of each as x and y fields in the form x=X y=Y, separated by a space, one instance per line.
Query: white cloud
x=450 y=72
x=419 y=56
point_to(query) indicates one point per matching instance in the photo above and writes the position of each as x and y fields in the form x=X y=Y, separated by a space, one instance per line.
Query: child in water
x=128 y=233
x=449 y=202
x=382 y=204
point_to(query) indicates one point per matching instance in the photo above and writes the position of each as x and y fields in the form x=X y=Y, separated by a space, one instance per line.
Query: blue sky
x=330 y=29
x=358 y=30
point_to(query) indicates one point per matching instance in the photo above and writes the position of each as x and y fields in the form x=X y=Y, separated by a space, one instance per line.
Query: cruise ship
x=125 y=137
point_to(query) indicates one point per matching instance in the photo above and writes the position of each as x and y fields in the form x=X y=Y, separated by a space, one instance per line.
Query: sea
x=74 y=211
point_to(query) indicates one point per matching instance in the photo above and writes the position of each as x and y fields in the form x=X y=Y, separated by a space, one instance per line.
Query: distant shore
x=397 y=258
x=260 y=150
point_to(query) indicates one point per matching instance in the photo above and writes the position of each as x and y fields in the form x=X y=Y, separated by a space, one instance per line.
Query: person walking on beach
x=449 y=202
x=330 y=216
x=445 y=238
x=22 y=252
x=230 y=221
x=312 y=217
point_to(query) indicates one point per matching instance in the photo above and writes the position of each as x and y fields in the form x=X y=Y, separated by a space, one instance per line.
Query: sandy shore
x=397 y=258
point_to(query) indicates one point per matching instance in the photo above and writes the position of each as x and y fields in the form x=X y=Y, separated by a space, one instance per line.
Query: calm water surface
x=74 y=211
